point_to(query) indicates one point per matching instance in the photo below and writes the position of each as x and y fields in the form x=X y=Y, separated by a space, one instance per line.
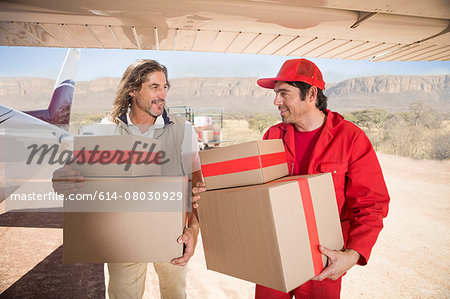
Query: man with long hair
x=139 y=109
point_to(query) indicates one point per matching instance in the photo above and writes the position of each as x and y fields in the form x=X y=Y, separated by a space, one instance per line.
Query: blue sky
x=96 y=63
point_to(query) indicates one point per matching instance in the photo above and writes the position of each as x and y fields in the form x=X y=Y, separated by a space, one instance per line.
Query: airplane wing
x=381 y=30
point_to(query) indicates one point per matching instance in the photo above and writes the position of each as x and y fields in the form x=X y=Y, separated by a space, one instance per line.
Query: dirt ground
x=410 y=259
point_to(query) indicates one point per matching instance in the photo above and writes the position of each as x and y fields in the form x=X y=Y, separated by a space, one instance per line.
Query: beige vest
x=171 y=137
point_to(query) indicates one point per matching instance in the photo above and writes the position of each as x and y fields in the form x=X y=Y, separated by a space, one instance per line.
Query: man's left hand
x=339 y=262
x=189 y=238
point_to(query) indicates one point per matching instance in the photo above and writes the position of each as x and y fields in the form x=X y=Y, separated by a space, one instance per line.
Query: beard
x=149 y=108
x=153 y=113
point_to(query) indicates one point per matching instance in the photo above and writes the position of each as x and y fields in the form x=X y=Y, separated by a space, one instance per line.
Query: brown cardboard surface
x=327 y=216
x=326 y=211
x=129 y=194
x=235 y=243
x=256 y=226
x=235 y=179
x=227 y=231
x=112 y=143
x=98 y=237
x=230 y=152
x=274 y=172
x=270 y=146
x=258 y=233
x=292 y=233
x=121 y=237
x=244 y=150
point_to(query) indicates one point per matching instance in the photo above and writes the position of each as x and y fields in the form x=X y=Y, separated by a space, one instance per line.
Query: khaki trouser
x=127 y=280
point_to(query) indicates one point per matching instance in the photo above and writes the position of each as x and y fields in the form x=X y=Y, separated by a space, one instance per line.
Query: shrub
x=440 y=147
x=261 y=122
x=419 y=133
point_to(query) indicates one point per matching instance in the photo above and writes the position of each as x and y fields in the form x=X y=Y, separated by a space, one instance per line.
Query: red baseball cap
x=296 y=70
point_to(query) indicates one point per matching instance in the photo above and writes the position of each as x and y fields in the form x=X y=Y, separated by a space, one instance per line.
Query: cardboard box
x=248 y=163
x=269 y=234
x=140 y=229
x=217 y=134
x=124 y=155
x=202 y=121
x=205 y=133
x=206 y=136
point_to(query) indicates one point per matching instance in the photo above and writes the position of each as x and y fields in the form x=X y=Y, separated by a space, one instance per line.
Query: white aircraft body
x=381 y=30
x=19 y=130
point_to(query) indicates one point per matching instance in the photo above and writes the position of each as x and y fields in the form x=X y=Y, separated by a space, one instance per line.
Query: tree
x=422 y=115
x=261 y=122
x=368 y=118
x=372 y=121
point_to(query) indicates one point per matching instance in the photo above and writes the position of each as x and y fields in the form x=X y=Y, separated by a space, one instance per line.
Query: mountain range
x=391 y=93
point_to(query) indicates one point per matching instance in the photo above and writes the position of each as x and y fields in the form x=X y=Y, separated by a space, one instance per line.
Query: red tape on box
x=243 y=164
x=311 y=224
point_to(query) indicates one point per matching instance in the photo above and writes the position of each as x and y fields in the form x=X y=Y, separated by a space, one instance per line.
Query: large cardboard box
x=125 y=220
x=269 y=234
x=123 y=155
x=248 y=163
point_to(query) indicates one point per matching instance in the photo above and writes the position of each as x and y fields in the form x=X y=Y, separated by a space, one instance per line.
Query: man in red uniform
x=318 y=140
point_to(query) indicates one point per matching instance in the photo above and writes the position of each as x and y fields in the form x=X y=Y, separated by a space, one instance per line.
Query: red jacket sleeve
x=366 y=196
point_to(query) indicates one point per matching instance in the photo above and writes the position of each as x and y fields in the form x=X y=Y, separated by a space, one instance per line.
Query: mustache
x=158 y=101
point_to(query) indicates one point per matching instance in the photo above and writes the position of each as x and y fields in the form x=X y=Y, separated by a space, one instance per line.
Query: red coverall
x=362 y=197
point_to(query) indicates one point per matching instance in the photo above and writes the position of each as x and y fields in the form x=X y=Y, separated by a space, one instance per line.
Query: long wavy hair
x=132 y=80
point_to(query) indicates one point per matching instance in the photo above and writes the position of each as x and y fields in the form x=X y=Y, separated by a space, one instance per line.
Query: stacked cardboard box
x=203 y=121
x=248 y=163
x=217 y=133
x=208 y=134
x=123 y=212
x=269 y=233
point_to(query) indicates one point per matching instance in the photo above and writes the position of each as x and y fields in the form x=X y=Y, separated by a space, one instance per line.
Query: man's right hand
x=196 y=190
x=66 y=180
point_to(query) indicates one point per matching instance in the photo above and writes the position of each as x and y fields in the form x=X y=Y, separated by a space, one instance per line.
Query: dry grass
x=237 y=131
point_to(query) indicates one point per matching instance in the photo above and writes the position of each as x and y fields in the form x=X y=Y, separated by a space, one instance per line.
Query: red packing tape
x=243 y=164
x=311 y=224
